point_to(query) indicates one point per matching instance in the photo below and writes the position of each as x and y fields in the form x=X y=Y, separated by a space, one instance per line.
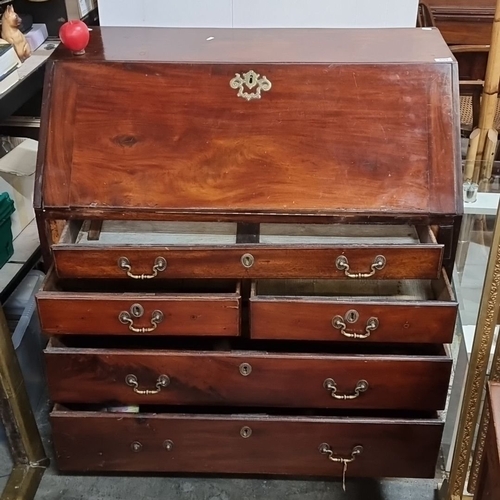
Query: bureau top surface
x=172 y=121
x=398 y=45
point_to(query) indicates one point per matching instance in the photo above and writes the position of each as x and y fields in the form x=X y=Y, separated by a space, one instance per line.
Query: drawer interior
x=236 y=345
x=231 y=412
x=53 y=285
x=117 y=232
x=365 y=290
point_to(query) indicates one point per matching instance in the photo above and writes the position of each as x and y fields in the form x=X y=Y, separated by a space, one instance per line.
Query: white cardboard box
x=36 y=36
x=17 y=177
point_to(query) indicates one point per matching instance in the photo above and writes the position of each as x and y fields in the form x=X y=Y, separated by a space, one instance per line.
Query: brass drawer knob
x=136 y=311
x=340 y=324
x=168 y=445
x=136 y=447
x=159 y=265
x=325 y=449
x=162 y=382
x=250 y=80
x=342 y=264
x=330 y=385
x=247 y=260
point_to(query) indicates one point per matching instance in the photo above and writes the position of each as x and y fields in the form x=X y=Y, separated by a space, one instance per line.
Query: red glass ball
x=75 y=36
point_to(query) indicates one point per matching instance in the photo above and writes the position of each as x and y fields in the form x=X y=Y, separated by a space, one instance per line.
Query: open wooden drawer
x=175 y=308
x=145 y=250
x=413 y=311
x=176 y=372
x=245 y=444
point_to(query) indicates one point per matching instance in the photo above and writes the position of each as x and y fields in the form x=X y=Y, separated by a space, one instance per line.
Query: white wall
x=259 y=13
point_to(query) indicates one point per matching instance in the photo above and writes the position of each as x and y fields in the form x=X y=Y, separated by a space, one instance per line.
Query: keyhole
x=352 y=316
x=137 y=310
x=245 y=369
x=245 y=432
x=250 y=80
x=247 y=260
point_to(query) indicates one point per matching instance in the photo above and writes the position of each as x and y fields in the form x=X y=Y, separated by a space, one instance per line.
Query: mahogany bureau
x=250 y=235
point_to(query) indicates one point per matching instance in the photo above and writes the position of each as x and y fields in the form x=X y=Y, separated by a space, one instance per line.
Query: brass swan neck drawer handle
x=339 y=323
x=330 y=385
x=342 y=264
x=137 y=311
x=161 y=382
x=325 y=449
x=160 y=264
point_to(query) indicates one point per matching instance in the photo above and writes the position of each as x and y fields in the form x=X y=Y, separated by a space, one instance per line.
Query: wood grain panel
x=403 y=261
x=86 y=441
x=215 y=378
x=305 y=143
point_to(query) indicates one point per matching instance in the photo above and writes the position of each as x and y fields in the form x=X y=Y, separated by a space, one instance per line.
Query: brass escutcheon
x=247 y=260
x=250 y=80
x=245 y=369
x=351 y=316
x=168 y=444
x=245 y=432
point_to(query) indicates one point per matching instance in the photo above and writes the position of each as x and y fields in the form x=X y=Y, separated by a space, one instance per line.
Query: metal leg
x=24 y=439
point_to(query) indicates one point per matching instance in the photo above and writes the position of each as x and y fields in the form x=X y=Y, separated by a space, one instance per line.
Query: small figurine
x=12 y=34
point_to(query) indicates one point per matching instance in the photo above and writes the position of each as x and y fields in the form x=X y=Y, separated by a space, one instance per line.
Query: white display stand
x=259 y=13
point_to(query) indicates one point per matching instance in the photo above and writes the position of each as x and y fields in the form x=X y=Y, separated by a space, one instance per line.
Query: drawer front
x=86 y=441
x=352 y=319
x=139 y=314
x=250 y=261
x=247 y=379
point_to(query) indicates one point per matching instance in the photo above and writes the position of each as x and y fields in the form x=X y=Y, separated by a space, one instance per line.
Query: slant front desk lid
x=267 y=121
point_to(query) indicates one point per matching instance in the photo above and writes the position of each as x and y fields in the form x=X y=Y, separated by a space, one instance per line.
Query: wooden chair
x=472 y=60
x=425 y=18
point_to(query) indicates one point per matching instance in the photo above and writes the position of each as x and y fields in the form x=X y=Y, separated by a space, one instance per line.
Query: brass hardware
x=160 y=264
x=342 y=264
x=339 y=323
x=245 y=369
x=330 y=385
x=325 y=449
x=136 y=446
x=168 y=445
x=247 y=260
x=161 y=382
x=250 y=80
x=137 y=311
x=351 y=316
x=245 y=432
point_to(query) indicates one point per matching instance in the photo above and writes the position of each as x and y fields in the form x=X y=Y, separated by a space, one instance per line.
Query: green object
x=6 y=210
